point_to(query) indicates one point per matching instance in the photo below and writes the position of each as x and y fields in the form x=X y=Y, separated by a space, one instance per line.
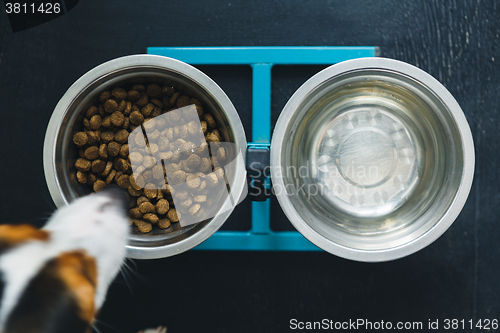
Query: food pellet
x=139 y=87
x=119 y=93
x=82 y=164
x=219 y=172
x=157 y=102
x=143 y=226
x=150 y=217
x=173 y=98
x=212 y=137
x=133 y=95
x=212 y=179
x=200 y=198
x=91 y=178
x=136 y=118
x=104 y=96
x=106 y=122
x=121 y=106
x=80 y=139
x=205 y=165
x=141 y=199
x=121 y=136
x=167 y=91
x=128 y=109
x=151 y=192
x=162 y=207
x=123 y=165
x=98 y=166
x=194 y=161
x=99 y=185
x=81 y=177
x=173 y=215
x=107 y=169
x=113 y=149
x=137 y=182
x=110 y=177
x=210 y=120
x=95 y=122
x=110 y=106
x=194 y=209
x=118 y=175
x=93 y=137
x=163 y=223
x=194 y=182
x=178 y=177
x=152 y=148
x=146 y=111
x=92 y=111
x=146 y=207
x=134 y=192
x=221 y=153
x=103 y=151
x=186 y=204
x=117 y=118
x=91 y=153
x=158 y=172
x=203 y=185
x=204 y=126
x=124 y=151
x=123 y=181
x=154 y=90
x=143 y=100
x=107 y=136
x=182 y=101
x=182 y=195
x=149 y=161
x=135 y=213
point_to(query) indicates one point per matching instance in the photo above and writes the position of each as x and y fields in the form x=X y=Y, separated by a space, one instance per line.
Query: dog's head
x=55 y=279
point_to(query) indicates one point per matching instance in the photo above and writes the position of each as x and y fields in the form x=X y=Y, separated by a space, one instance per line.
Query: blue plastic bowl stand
x=260 y=237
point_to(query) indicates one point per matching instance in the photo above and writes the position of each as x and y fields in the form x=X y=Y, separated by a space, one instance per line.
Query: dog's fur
x=55 y=279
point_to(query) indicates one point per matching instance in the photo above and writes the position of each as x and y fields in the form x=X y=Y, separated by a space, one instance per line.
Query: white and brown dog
x=55 y=279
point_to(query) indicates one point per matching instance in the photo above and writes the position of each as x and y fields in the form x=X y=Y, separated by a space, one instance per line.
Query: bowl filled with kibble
x=165 y=133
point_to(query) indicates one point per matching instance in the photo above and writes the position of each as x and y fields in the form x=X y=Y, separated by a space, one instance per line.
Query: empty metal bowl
x=60 y=154
x=372 y=159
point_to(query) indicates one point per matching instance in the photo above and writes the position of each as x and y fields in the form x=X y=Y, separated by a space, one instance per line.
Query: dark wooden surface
x=458 y=42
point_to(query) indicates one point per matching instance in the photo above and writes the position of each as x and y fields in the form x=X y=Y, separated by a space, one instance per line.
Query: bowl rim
x=190 y=73
x=428 y=82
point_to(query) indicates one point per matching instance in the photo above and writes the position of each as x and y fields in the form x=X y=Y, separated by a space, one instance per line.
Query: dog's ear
x=60 y=299
x=13 y=235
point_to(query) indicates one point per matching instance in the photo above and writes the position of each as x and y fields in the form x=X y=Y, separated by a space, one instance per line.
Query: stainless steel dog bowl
x=372 y=159
x=60 y=154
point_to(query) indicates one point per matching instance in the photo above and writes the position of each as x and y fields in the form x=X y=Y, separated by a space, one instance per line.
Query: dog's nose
x=117 y=194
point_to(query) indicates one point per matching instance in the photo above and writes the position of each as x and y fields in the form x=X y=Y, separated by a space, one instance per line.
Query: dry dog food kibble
x=169 y=154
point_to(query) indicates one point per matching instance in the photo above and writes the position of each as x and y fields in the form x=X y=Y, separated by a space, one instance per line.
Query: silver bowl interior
x=381 y=155
x=65 y=152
